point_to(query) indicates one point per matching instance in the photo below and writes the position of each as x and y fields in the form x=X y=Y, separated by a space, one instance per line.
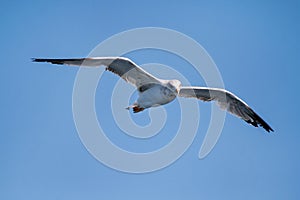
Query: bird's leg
x=136 y=108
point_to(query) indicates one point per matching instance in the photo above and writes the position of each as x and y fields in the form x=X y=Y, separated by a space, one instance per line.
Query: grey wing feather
x=121 y=66
x=226 y=101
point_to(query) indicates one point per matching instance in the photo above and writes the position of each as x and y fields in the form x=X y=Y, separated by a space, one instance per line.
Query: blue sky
x=256 y=48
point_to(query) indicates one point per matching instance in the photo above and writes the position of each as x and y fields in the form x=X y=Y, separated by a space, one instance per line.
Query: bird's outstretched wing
x=226 y=101
x=121 y=66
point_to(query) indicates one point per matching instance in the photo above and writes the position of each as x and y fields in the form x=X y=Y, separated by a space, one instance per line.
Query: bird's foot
x=135 y=108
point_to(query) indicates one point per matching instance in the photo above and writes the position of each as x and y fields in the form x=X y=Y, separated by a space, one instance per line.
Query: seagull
x=155 y=92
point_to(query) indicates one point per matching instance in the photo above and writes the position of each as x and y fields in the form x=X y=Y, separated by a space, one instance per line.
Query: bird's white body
x=155 y=96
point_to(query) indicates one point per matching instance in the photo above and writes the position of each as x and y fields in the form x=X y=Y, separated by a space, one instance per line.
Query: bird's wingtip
x=268 y=129
x=37 y=60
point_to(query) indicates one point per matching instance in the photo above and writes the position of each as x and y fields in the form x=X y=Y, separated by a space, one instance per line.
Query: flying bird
x=154 y=92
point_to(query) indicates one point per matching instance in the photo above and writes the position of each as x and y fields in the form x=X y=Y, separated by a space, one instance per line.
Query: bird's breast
x=155 y=96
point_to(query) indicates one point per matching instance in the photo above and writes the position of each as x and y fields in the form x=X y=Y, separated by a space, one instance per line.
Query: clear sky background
x=256 y=47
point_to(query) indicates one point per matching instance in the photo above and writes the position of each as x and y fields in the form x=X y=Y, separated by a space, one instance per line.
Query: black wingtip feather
x=39 y=60
x=263 y=124
x=259 y=121
x=53 y=61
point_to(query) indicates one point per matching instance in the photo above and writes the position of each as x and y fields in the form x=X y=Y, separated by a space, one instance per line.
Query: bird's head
x=174 y=85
